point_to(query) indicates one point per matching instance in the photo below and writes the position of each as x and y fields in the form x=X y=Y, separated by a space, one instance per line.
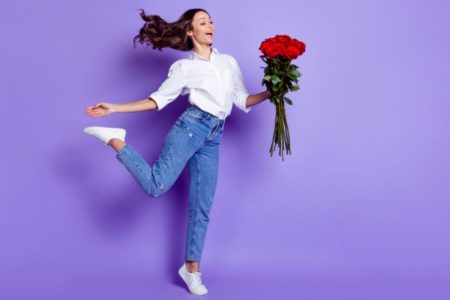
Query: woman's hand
x=100 y=109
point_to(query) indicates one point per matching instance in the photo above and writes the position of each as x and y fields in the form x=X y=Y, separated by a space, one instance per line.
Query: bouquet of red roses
x=279 y=75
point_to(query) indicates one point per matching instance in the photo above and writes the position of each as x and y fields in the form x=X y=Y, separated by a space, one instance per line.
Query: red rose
x=268 y=48
x=292 y=52
x=285 y=39
x=300 y=46
x=264 y=45
x=275 y=49
x=270 y=51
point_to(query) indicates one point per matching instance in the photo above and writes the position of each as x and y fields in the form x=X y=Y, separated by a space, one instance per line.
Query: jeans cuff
x=122 y=150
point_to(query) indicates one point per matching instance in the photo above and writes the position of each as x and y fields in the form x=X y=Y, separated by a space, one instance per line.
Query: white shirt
x=213 y=85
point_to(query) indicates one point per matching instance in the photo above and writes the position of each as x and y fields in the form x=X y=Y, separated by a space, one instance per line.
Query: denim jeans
x=194 y=140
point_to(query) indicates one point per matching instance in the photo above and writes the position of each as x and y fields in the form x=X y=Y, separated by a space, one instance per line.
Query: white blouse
x=213 y=85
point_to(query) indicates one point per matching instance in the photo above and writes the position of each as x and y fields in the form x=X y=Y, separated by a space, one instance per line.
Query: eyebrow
x=203 y=18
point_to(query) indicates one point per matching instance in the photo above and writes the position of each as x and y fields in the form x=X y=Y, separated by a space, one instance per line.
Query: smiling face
x=203 y=29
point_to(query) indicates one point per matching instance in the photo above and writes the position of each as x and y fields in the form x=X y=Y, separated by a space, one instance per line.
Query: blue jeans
x=194 y=140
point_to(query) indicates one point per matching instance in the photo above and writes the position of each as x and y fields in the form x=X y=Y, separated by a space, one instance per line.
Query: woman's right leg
x=179 y=145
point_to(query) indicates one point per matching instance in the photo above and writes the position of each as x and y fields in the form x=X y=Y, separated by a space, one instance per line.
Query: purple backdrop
x=358 y=211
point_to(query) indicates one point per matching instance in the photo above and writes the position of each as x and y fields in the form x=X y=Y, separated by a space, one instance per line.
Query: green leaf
x=295 y=88
x=288 y=101
x=296 y=73
x=292 y=76
x=267 y=77
x=275 y=79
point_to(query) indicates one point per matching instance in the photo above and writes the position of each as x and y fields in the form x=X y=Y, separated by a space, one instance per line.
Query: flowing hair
x=159 y=33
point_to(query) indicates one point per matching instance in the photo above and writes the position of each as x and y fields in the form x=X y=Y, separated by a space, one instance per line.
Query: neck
x=204 y=51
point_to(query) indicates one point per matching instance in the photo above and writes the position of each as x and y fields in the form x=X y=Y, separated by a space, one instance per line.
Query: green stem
x=281 y=137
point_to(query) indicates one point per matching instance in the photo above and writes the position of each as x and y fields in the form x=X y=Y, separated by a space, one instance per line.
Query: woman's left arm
x=257 y=98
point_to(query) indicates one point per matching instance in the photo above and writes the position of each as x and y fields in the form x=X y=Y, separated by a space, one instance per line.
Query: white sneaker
x=193 y=281
x=106 y=133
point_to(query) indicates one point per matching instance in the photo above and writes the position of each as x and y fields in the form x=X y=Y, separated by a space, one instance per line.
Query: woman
x=214 y=82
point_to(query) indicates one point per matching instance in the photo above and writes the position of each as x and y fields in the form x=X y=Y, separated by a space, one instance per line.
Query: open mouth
x=209 y=33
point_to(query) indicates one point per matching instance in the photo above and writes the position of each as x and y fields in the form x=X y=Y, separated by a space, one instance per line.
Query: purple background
x=358 y=211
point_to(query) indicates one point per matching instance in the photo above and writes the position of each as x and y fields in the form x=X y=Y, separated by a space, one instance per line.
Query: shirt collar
x=195 y=56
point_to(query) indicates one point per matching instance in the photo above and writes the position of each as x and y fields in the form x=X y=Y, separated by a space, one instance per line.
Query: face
x=203 y=29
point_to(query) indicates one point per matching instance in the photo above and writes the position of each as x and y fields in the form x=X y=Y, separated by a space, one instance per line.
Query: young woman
x=214 y=83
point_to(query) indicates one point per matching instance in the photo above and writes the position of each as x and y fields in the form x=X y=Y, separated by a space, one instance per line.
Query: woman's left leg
x=203 y=169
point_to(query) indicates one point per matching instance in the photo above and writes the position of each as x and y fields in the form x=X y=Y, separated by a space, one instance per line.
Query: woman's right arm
x=166 y=93
x=146 y=104
x=104 y=108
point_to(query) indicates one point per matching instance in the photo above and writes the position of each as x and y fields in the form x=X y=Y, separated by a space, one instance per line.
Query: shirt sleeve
x=171 y=87
x=240 y=93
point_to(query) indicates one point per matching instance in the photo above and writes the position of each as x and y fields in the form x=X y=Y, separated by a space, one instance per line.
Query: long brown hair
x=159 y=33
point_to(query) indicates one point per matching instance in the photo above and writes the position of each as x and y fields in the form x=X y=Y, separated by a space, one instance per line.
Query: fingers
x=97 y=115
x=94 y=106
x=94 y=112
